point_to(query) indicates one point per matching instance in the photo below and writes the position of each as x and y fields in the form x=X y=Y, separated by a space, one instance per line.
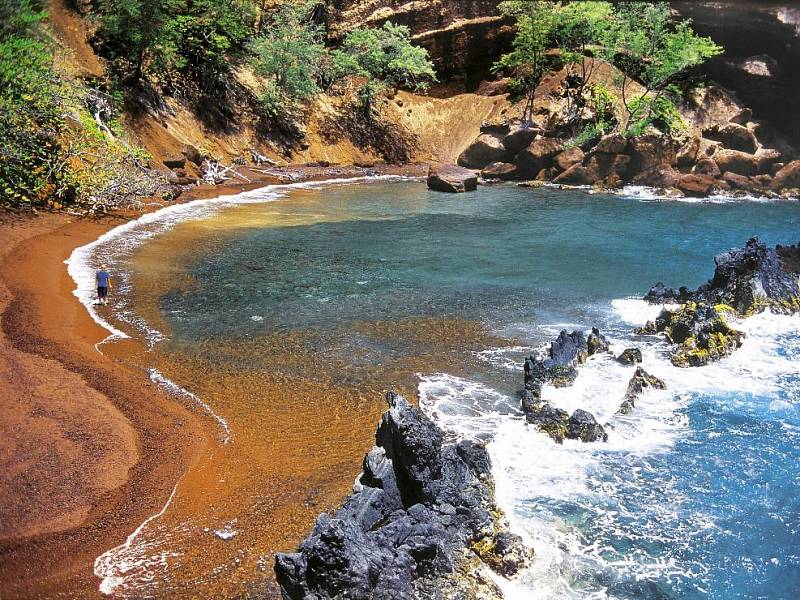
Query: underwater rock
x=413 y=524
x=630 y=356
x=640 y=381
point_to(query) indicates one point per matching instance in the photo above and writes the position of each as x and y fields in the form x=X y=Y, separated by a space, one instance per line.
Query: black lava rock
x=417 y=506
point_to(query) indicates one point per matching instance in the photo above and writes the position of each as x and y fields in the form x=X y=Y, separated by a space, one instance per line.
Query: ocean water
x=697 y=492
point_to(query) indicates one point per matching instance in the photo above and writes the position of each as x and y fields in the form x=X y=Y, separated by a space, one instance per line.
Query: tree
x=580 y=27
x=30 y=121
x=129 y=30
x=289 y=56
x=383 y=57
x=649 y=47
x=528 y=60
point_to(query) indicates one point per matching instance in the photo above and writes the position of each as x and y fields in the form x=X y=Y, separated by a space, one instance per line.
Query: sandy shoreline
x=90 y=446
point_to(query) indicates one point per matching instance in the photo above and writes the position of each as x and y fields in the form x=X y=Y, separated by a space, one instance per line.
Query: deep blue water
x=697 y=493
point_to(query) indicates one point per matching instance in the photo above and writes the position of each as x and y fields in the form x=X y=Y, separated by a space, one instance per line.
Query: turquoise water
x=697 y=493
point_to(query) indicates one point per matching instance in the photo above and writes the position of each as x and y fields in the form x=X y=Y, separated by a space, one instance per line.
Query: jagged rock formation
x=558 y=368
x=699 y=333
x=420 y=523
x=746 y=280
x=640 y=381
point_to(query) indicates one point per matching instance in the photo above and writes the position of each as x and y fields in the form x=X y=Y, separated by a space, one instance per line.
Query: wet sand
x=90 y=447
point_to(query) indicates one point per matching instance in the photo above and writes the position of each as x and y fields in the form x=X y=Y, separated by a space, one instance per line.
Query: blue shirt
x=102 y=279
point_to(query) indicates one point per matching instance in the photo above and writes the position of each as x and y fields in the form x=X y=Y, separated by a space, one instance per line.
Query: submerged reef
x=421 y=523
x=746 y=281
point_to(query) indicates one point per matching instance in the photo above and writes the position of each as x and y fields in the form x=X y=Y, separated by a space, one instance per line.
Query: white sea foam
x=115 y=565
x=548 y=490
x=159 y=379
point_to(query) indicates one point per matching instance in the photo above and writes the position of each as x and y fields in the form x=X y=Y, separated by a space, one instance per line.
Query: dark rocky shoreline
x=421 y=523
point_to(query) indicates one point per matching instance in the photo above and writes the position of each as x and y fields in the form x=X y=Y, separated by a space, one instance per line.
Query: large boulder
x=614 y=143
x=630 y=356
x=736 y=161
x=706 y=166
x=787 y=178
x=650 y=151
x=596 y=342
x=519 y=139
x=734 y=137
x=539 y=155
x=483 y=151
x=577 y=175
x=571 y=156
x=696 y=185
x=699 y=334
x=416 y=512
x=450 y=178
x=584 y=427
x=499 y=170
x=660 y=176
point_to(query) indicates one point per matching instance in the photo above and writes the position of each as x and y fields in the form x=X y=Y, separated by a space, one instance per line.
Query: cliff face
x=463 y=38
x=760 y=63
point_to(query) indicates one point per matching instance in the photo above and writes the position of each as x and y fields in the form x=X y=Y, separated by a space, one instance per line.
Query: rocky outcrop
x=720 y=152
x=596 y=342
x=420 y=523
x=499 y=170
x=747 y=279
x=788 y=177
x=449 y=178
x=558 y=368
x=640 y=381
x=699 y=334
x=539 y=155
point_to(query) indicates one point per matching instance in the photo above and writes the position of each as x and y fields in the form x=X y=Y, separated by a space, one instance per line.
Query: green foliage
x=603 y=103
x=385 y=55
x=648 y=46
x=172 y=39
x=592 y=131
x=659 y=111
x=30 y=120
x=528 y=61
x=289 y=56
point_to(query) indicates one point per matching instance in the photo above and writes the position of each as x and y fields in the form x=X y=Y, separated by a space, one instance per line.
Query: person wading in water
x=103 y=283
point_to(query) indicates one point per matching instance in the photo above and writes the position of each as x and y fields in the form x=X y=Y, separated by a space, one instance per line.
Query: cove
x=357 y=288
